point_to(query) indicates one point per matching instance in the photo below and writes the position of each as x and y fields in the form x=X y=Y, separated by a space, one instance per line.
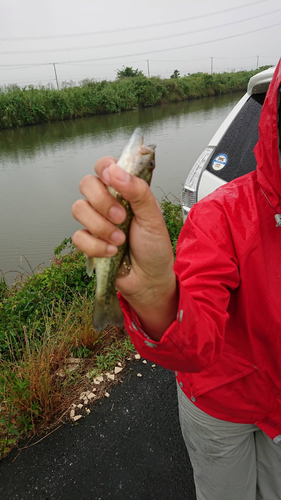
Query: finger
x=99 y=198
x=91 y=246
x=136 y=191
x=96 y=224
x=104 y=163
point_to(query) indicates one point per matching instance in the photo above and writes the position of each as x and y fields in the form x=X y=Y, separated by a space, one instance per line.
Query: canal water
x=41 y=166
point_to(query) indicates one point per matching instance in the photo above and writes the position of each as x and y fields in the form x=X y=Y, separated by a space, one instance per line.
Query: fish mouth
x=136 y=141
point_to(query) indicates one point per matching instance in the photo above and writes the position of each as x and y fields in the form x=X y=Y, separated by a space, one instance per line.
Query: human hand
x=151 y=285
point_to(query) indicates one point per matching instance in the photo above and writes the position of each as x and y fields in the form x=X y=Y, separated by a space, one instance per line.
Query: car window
x=234 y=154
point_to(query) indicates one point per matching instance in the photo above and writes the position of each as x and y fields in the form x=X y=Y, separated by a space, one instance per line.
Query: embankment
x=28 y=106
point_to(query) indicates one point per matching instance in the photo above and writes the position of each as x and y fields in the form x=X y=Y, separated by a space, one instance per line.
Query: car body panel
x=229 y=153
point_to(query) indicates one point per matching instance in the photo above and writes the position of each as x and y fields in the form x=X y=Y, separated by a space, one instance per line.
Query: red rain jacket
x=225 y=345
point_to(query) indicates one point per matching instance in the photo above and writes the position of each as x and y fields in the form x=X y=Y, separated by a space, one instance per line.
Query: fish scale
x=138 y=160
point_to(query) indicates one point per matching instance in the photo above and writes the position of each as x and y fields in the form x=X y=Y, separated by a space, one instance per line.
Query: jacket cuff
x=172 y=351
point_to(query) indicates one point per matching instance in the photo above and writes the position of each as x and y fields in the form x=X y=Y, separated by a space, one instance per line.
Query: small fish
x=139 y=160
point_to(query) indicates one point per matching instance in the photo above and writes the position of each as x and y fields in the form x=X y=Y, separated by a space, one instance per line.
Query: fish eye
x=151 y=164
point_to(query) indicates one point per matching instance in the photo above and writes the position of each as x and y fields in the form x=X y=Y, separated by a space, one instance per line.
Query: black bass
x=138 y=160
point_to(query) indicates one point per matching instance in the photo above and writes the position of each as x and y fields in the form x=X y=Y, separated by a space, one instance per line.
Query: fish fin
x=145 y=150
x=125 y=267
x=108 y=313
x=90 y=266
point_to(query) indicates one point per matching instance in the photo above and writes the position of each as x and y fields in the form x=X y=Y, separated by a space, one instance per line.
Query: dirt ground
x=129 y=447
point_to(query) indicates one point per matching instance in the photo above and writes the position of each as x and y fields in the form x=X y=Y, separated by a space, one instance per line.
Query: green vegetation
x=45 y=320
x=176 y=74
x=30 y=105
x=128 y=72
x=173 y=217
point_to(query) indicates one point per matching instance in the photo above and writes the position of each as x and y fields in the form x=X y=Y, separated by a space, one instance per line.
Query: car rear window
x=234 y=154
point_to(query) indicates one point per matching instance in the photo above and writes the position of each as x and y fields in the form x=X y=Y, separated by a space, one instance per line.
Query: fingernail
x=105 y=176
x=116 y=214
x=117 y=237
x=111 y=250
x=120 y=174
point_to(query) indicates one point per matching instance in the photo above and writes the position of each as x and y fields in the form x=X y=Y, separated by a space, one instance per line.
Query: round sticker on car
x=219 y=161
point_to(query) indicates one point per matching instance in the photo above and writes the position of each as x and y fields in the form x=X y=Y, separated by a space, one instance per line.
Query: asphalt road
x=129 y=447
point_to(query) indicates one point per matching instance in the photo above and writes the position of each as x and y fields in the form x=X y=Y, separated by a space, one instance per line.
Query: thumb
x=135 y=190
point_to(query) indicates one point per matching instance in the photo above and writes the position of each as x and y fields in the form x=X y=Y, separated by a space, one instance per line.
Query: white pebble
x=139 y=375
x=106 y=394
x=77 y=418
x=137 y=356
x=117 y=369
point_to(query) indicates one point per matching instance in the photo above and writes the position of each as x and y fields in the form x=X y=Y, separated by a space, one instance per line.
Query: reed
x=29 y=105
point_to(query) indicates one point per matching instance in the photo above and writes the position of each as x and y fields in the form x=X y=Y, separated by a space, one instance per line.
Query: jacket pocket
x=230 y=367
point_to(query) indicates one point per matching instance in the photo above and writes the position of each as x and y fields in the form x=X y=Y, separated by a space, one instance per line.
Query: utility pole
x=148 y=68
x=258 y=62
x=56 y=76
x=212 y=65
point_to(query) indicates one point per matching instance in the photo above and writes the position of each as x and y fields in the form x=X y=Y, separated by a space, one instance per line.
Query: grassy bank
x=49 y=351
x=29 y=106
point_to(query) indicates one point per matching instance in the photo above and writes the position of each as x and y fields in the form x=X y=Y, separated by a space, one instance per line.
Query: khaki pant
x=230 y=461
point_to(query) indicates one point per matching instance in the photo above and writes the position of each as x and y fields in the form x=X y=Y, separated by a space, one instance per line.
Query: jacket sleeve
x=207 y=273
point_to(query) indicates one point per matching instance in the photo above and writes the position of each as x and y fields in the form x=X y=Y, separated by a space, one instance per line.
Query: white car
x=229 y=154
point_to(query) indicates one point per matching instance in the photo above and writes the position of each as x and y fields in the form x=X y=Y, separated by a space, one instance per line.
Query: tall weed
x=29 y=105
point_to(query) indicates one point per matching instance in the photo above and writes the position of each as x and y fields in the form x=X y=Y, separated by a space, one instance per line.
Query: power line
x=22 y=66
x=181 y=60
x=74 y=63
x=87 y=62
x=31 y=80
x=131 y=28
x=79 y=78
x=174 y=48
x=87 y=47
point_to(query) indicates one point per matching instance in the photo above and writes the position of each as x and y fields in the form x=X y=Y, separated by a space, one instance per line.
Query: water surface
x=41 y=166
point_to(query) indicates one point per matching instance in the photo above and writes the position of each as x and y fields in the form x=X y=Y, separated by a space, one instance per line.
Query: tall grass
x=46 y=319
x=29 y=105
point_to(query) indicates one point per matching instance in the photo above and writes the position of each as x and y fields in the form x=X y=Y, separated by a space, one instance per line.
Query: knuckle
x=103 y=229
x=104 y=162
x=99 y=201
x=98 y=249
x=142 y=192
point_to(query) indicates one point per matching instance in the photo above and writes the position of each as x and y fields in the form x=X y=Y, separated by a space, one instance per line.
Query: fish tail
x=90 y=266
x=108 y=313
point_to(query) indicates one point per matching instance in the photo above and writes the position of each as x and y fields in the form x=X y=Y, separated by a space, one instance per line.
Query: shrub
x=27 y=106
x=44 y=320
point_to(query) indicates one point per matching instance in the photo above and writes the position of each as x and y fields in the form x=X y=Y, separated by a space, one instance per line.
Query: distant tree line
x=131 y=90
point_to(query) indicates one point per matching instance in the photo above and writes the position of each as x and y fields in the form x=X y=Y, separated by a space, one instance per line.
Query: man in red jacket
x=214 y=317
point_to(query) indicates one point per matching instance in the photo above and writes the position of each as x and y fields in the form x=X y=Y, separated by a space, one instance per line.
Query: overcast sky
x=183 y=35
